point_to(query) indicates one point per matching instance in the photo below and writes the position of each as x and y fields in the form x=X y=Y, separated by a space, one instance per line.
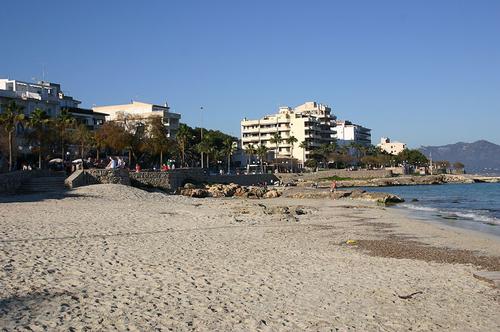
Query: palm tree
x=205 y=147
x=325 y=150
x=182 y=139
x=276 y=139
x=82 y=136
x=9 y=119
x=291 y=140
x=38 y=121
x=64 y=121
x=304 y=145
x=229 y=149
x=249 y=151
x=261 y=152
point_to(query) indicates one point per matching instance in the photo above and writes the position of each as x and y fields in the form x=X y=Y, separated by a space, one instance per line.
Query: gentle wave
x=420 y=208
x=448 y=214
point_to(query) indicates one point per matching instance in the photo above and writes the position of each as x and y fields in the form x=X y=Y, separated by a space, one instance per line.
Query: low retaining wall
x=243 y=179
x=12 y=181
x=343 y=173
x=168 y=181
x=96 y=176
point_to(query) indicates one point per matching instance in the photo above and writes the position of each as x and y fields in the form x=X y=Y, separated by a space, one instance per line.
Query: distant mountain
x=478 y=157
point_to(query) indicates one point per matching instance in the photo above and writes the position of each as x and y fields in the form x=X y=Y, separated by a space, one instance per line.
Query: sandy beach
x=111 y=257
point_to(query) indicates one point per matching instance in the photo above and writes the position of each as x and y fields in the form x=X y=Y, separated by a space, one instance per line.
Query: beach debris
x=351 y=242
x=409 y=296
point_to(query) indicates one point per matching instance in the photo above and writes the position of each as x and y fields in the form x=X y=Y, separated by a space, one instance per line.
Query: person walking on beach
x=333 y=186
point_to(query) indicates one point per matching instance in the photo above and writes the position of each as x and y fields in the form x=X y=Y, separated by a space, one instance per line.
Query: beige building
x=393 y=148
x=138 y=111
x=311 y=122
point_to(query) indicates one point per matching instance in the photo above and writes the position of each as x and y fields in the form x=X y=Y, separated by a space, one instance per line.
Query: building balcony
x=250 y=130
x=250 y=139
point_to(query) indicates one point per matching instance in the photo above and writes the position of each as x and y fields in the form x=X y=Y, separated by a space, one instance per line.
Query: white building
x=310 y=122
x=137 y=111
x=48 y=97
x=43 y=95
x=348 y=132
x=393 y=148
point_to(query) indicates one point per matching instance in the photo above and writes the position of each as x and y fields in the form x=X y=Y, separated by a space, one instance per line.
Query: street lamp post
x=201 y=136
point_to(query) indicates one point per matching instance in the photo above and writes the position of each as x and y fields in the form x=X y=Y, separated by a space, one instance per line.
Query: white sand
x=118 y=257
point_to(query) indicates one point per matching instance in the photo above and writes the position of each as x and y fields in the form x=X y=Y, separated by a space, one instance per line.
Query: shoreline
x=404 y=180
x=120 y=257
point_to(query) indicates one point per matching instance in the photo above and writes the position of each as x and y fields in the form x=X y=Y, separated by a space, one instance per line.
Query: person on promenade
x=111 y=164
x=137 y=168
x=120 y=163
x=333 y=186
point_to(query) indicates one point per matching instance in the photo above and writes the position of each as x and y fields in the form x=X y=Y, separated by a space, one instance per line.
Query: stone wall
x=12 y=181
x=95 y=176
x=242 y=180
x=168 y=181
x=343 y=173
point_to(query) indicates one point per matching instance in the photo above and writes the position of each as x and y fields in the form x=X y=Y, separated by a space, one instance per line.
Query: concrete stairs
x=44 y=184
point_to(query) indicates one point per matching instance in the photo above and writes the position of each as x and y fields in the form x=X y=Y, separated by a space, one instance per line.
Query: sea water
x=473 y=206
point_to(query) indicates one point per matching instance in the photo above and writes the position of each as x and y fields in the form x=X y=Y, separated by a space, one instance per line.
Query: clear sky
x=421 y=72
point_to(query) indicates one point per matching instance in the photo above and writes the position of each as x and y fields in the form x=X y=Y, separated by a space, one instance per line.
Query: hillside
x=478 y=157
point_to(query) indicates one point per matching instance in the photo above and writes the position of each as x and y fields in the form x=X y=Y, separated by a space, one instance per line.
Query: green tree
x=304 y=145
x=276 y=139
x=158 y=141
x=99 y=140
x=229 y=149
x=182 y=139
x=250 y=151
x=206 y=147
x=9 y=119
x=291 y=140
x=63 y=122
x=38 y=122
x=262 y=153
x=412 y=157
x=83 y=137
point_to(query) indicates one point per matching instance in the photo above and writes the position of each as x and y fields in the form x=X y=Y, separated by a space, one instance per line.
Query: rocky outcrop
x=403 y=181
x=382 y=198
x=228 y=190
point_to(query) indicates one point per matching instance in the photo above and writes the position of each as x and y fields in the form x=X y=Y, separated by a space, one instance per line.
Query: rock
x=381 y=198
x=273 y=193
x=241 y=192
x=256 y=192
x=340 y=194
x=196 y=193
x=299 y=211
x=189 y=186
x=357 y=193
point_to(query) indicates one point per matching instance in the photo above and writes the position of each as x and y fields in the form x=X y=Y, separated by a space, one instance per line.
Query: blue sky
x=422 y=72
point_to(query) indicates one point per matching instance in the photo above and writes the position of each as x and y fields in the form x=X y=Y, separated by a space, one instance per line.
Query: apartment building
x=393 y=148
x=43 y=95
x=311 y=122
x=48 y=97
x=138 y=111
x=348 y=132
